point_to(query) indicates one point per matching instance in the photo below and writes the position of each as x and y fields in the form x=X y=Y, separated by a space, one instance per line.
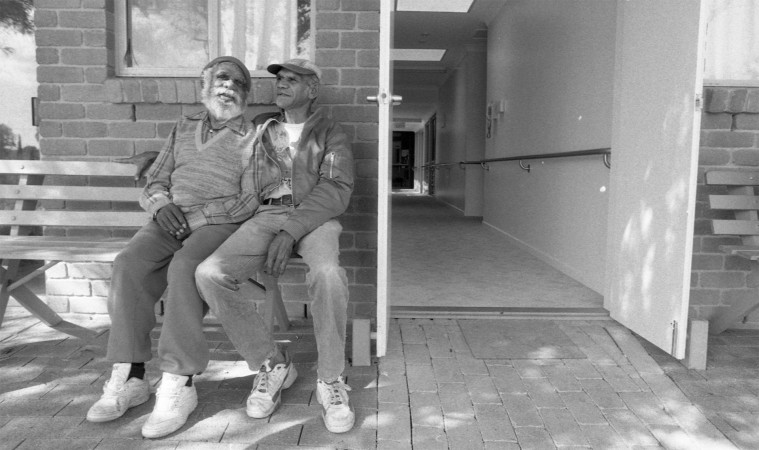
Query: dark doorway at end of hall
x=403 y=160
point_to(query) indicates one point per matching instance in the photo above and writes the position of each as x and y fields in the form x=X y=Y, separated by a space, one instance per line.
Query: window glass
x=176 y=37
x=167 y=33
x=732 y=42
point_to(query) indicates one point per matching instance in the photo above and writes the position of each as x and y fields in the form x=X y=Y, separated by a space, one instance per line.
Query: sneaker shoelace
x=336 y=392
x=263 y=381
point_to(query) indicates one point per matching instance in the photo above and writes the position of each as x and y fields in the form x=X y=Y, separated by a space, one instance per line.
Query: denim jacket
x=322 y=173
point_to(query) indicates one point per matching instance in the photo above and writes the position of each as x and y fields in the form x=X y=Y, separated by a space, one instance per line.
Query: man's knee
x=210 y=275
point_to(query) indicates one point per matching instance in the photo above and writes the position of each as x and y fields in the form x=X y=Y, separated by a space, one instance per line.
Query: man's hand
x=171 y=219
x=280 y=250
x=143 y=161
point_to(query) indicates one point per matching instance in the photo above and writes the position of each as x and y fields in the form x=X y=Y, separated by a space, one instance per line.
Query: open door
x=657 y=90
x=384 y=101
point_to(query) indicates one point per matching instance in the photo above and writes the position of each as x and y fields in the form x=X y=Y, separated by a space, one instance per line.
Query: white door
x=385 y=103
x=657 y=89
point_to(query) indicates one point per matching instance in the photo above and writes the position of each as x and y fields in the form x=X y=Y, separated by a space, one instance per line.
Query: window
x=732 y=43
x=175 y=38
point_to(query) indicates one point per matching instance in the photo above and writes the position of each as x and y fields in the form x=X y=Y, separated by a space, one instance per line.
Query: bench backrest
x=741 y=199
x=89 y=194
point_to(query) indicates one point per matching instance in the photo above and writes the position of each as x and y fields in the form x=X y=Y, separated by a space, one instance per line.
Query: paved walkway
x=429 y=392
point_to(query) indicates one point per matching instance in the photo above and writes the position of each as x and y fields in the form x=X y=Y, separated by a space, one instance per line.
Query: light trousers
x=152 y=262
x=243 y=254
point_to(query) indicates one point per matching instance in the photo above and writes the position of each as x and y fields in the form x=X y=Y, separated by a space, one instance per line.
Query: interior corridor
x=443 y=263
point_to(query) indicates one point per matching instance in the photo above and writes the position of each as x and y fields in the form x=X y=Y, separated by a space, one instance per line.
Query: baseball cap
x=233 y=60
x=297 y=65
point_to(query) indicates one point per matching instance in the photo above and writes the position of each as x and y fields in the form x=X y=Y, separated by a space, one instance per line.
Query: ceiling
x=418 y=81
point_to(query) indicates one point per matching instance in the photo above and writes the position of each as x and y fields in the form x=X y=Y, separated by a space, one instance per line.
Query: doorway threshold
x=493 y=312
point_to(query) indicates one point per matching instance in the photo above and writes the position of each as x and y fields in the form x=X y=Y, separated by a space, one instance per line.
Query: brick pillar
x=729 y=140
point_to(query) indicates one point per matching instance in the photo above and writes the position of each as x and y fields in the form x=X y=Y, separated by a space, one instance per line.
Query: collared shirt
x=236 y=124
x=209 y=180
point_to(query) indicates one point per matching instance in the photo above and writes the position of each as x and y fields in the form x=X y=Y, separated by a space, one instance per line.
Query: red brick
x=164 y=129
x=335 y=21
x=45 y=19
x=360 y=39
x=84 y=56
x=132 y=90
x=327 y=5
x=81 y=19
x=84 y=129
x=359 y=223
x=83 y=93
x=90 y=270
x=368 y=21
x=148 y=145
x=359 y=77
x=722 y=121
x=752 y=101
x=733 y=139
x=68 y=287
x=46 y=55
x=746 y=157
x=326 y=39
x=262 y=92
x=48 y=92
x=747 y=121
x=58 y=38
x=716 y=100
x=150 y=92
x=713 y=156
x=107 y=111
x=737 y=100
x=110 y=147
x=186 y=91
x=336 y=58
x=329 y=95
x=88 y=305
x=58 y=74
x=360 y=5
x=167 y=91
x=57 y=4
x=49 y=128
x=49 y=110
x=112 y=90
x=157 y=112
x=98 y=4
x=131 y=130
x=95 y=38
x=364 y=150
x=368 y=58
x=95 y=75
x=722 y=279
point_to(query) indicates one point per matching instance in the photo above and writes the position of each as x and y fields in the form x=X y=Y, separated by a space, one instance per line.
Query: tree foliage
x=17 y=15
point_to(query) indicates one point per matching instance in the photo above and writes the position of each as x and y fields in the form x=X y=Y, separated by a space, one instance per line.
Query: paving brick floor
x=428 y=392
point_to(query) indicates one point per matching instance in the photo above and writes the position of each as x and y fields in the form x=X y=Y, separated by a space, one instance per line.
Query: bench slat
x=744 y=251
x=75 y=218
x=736 y=227
x=60 y=248
x=93 y=168
x=91 y=193
x=737 y=202
x=732 y=178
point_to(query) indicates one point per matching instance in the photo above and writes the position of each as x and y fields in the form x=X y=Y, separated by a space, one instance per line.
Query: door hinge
x=699 y=102
x=674 y=336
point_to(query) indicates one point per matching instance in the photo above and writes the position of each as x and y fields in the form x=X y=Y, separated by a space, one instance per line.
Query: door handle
x=396 y=99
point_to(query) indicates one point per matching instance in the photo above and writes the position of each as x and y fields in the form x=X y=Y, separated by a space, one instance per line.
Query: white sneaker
x=119 y=394
x=338 y=415
x=267 y=387
x=173 y=404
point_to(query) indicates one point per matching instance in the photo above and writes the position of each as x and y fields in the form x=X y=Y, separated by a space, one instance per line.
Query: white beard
x=220 y=110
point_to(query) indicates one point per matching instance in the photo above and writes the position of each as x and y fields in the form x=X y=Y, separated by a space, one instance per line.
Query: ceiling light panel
x=417 y=54
x=457 y=6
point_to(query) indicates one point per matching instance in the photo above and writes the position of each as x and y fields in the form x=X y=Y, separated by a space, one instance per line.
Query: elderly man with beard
x=198 y=192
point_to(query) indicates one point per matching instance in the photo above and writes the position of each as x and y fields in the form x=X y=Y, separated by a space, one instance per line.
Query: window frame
x=214 y=43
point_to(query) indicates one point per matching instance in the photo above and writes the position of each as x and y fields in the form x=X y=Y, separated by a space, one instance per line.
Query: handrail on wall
x=605 y=152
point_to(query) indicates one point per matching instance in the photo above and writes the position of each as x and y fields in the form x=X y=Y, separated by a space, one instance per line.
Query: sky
x=18 y=84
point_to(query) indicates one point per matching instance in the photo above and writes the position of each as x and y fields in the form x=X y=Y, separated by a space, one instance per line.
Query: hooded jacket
x=322 y=173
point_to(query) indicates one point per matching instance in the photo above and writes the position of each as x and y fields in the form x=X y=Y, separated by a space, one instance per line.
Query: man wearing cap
x=197 y=193
x=304 y=175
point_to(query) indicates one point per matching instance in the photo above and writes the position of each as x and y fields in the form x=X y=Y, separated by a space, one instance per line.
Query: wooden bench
x=89 y=210
x=742 y=201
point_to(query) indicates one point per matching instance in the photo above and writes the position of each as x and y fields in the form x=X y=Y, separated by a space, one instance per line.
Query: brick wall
x=729 y=139
x=88 y=113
